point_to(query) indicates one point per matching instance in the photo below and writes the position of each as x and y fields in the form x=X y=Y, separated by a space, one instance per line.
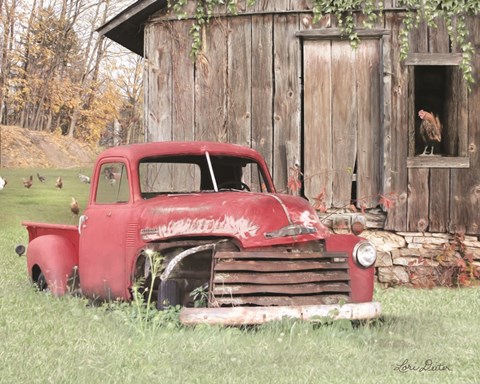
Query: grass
x=66 y=340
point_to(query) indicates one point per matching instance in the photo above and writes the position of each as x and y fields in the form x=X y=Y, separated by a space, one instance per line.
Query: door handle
x=81 y=222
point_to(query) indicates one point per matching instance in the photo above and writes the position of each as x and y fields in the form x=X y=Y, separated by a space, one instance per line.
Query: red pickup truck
x=212 y=212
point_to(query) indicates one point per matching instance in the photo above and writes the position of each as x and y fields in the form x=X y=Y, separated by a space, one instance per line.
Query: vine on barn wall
x=453 y=12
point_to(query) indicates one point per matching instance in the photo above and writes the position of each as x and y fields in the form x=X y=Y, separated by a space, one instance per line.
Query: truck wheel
x=41 y=282
x=168 y=294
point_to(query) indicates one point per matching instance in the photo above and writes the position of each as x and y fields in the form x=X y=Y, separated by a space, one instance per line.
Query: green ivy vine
x=202 y=15
x=452 y=11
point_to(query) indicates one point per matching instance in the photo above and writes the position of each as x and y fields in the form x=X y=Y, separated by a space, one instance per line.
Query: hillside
x=23 y=148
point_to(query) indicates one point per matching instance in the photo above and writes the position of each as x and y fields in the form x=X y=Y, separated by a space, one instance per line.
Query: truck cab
x=212 y=212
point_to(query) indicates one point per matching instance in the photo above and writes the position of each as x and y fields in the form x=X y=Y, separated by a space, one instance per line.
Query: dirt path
x=23 y=148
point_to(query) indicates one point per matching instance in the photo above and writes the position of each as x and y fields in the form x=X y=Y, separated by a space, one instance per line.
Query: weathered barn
x=297 y=92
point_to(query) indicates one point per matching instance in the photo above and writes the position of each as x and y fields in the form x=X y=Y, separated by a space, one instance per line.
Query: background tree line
x=58 y=75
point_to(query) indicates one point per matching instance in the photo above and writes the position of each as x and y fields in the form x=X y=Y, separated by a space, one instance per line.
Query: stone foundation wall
x=406 y=258
x=413 y=259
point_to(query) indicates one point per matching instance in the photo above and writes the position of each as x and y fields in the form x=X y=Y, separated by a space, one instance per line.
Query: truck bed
x=36 y=229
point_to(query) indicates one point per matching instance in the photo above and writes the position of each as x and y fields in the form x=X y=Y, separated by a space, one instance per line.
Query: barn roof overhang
x=128 y=27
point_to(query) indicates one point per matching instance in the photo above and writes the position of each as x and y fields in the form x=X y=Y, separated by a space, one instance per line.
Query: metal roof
x=127 y=28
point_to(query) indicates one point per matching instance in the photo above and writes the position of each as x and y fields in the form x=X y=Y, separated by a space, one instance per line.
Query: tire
x=168 y=294
x=41 y=282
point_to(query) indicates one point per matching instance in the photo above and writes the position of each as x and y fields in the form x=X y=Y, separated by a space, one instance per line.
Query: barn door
x=342 y=120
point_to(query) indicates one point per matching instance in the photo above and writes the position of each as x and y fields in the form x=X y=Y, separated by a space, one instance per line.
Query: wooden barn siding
x=232 y=84
x=444 y=199
x=286 y=98
x=427 y=198
x=396 y=129
x=465 y=183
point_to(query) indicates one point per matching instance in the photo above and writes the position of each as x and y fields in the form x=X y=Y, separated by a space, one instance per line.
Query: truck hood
x=254 y=219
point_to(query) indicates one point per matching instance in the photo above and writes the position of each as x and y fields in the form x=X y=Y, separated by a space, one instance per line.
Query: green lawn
x=65 y=340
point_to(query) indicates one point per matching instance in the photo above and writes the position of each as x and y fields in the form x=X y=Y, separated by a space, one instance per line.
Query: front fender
x=55 y=256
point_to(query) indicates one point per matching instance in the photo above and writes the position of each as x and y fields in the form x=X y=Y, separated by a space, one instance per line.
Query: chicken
x=84 y=179
x=41 y=178
x=74 y=206
x=59 y=183
x=110 y=175
x=27 y=183
x=3 y=183
x=430 y=130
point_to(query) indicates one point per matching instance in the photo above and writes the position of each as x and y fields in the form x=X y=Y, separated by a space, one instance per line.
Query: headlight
x=365 y=254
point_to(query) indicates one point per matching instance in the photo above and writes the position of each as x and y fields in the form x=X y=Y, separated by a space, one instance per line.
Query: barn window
x=436 y=112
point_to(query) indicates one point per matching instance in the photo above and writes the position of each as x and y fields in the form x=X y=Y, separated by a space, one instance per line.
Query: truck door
x=103 y=232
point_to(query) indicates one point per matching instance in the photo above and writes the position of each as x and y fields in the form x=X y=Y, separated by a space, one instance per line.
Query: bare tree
x=8 y=19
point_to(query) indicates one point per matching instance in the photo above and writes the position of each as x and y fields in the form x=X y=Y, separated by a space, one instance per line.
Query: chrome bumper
x=259 y=315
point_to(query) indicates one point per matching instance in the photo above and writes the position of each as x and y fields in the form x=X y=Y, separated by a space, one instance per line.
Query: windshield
x=187 y=174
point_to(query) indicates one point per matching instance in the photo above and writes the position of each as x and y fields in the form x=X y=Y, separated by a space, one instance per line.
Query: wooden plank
x=344 y=122
x=317 y=136
x=439 y=209
x=439 y=42
x=465 y=201
x=210 y=85
x=183 y=95
x=262 y=86
x=336 y=33
x=286 y=289
x=438 y=39
x=263 y=6
x=418 y=199
x=281 y=300
x=397 y=176
x=275 y=266
x=183 y=98
x=279 y=278
x=239 y=81
x=236 y=316
x=386 y=116
x=412 y=113
x=280 y=5
x=158 y=103
x=433 y=59
x=368 y=72
x=464 y=113
x=279 y=255
x=418 y=179
x=438 y=162
x=286 y=114
x=158 y=97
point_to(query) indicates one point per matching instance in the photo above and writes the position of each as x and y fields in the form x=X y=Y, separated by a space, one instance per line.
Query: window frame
x=462 y=160
x=96 y=200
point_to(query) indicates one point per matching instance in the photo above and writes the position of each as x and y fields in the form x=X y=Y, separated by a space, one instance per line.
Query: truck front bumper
x=237 y=316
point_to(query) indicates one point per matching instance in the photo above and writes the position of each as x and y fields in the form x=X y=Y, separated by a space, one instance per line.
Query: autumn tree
x=51 y=67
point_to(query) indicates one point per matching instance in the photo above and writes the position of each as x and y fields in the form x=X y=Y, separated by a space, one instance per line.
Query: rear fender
x=55 y=257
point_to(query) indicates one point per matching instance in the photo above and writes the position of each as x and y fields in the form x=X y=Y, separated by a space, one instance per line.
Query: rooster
x=41 y=178
x=27 y=183
x=3 y=183
x=430 y=130
x=59 y=183
x=74 y=206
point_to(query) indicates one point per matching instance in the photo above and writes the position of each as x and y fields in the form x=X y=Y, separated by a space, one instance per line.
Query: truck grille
x=266 y=278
